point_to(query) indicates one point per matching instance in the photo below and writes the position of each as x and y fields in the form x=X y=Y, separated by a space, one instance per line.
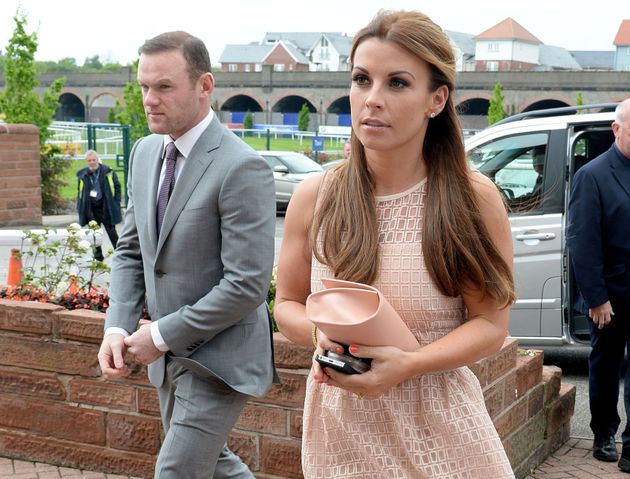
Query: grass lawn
x=69 y=192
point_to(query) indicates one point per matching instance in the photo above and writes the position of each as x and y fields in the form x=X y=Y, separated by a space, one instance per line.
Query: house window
x=324 y=42
x=492 y=66
x=258 y=67
x=278 y=67
x=290 y=66
x=493 y=47
x=247 y=67
x=233 y=67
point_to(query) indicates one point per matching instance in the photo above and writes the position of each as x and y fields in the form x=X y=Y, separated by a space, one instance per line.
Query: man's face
x=172 y=101
x=347 y=150
x=622 y=133
x=92 y=162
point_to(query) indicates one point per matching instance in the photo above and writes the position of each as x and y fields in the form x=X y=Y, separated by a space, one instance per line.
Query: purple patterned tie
x=167 y=183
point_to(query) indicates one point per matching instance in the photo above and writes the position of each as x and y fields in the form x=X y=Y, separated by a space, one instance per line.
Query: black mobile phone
x=345 y=363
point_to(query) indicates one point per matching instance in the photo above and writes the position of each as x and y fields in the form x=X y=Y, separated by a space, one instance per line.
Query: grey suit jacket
x=207 y=275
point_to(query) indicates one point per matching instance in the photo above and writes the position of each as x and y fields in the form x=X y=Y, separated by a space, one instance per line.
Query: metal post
x=268 y=140
x=91 y=137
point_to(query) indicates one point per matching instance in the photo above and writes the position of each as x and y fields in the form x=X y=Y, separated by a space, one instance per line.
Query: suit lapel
x=201 y=156
x=155 y=154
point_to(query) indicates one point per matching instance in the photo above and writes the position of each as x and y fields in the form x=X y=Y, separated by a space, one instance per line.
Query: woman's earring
x=432 y=115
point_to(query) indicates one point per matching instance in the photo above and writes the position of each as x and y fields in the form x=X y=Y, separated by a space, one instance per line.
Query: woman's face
x=390 y=99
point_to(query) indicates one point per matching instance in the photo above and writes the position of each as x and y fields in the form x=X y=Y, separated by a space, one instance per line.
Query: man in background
x=599 y=243
x=98 y=198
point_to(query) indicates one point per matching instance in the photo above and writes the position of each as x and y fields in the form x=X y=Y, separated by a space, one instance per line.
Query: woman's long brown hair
x=457 y=247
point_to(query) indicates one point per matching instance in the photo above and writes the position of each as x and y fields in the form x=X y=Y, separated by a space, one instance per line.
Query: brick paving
x=14 y=469
x=574 y=460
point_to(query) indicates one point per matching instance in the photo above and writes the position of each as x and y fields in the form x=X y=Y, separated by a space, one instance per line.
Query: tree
x=303 y=118
x=495 y=110
x=92 y=63
x=248 y=121
x=579 y=100
x=132 y=113
x=20 y=104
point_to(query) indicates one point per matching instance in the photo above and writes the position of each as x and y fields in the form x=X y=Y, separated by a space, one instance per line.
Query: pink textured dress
x=430 y=426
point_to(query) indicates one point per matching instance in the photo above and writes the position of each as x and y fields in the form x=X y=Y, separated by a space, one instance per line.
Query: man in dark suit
x=599 y=243
x=198 y=239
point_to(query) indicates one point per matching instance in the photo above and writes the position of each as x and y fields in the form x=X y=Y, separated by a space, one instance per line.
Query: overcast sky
x=114 y=29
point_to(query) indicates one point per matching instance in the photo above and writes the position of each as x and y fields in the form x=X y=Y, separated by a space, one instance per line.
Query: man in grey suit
x=198 y=240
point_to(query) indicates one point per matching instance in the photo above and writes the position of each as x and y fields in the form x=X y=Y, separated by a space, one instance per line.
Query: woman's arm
x=293 y=283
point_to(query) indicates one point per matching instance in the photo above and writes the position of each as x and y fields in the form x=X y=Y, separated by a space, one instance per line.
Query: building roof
x=252 y=53
x=623 y=34
x=555 y=58
x=594 y=60
x=508 y=29
x=302 y=40
x=292 y=49
x=341 y=42
x=465 y=42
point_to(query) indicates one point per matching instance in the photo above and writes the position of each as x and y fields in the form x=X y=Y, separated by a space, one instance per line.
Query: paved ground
x=574 y=460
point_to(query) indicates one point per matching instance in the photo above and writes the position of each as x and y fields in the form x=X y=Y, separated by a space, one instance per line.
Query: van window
x=516 y=164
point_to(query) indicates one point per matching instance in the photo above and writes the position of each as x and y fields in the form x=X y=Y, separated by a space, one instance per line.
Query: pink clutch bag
x=355 y=313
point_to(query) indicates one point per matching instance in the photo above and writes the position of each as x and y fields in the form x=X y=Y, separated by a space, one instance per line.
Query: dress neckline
x=395 y=196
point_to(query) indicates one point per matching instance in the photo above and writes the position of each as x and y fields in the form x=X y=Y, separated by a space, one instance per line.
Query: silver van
x=532 y=158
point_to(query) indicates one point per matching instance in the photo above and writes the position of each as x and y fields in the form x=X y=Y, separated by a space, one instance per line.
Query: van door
x=519 y=166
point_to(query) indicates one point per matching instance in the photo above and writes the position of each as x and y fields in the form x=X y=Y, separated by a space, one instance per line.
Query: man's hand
x=111 y=357
x=141 y=345
x=602 y=314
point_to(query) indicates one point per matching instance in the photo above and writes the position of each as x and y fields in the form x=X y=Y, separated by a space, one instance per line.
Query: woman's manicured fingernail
x=353 y=349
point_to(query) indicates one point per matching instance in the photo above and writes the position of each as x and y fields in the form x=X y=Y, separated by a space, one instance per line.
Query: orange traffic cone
x=73 y=288
x=15 y=274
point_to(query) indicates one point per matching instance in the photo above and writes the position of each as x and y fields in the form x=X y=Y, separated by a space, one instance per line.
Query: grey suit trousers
x=198 y=414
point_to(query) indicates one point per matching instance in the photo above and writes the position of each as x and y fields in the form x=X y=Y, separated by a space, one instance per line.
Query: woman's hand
x=390 y=367
x=320 y=374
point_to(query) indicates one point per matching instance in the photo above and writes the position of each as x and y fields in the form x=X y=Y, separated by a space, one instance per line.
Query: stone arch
x=285 y=110
x=234 y=109
x=473 y=112
x=341 y=108
x=544 y=103
x=104 y=100
x=71 y=108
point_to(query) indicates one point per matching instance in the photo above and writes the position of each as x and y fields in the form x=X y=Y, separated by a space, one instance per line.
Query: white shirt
x=184 y=144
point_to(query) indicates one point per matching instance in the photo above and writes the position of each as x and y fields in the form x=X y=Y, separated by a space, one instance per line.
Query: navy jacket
x=108 y=181
x=598 y=233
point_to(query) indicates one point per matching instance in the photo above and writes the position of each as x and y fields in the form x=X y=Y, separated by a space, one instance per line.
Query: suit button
x=159 y=273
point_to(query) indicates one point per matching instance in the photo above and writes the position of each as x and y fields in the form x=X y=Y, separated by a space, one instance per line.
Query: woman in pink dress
x=407 y=215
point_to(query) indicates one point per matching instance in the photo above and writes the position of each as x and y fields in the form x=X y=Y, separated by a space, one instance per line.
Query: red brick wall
x=20 y=179
x=55 y=407
x=506 y=65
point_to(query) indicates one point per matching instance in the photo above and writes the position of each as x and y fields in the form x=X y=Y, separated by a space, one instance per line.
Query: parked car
x=536 y=192
x=289 y=169
x=331 y=164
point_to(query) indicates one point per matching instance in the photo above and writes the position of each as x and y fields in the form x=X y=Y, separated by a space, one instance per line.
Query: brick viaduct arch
x=323 y=90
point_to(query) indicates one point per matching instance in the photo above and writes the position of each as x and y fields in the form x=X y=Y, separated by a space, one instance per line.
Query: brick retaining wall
x=55 y=407
x=20 y=176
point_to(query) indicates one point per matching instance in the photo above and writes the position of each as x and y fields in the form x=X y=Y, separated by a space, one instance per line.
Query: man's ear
x=206 y=81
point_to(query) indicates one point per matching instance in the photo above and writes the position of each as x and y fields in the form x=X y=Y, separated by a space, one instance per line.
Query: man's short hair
x=194 y=51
